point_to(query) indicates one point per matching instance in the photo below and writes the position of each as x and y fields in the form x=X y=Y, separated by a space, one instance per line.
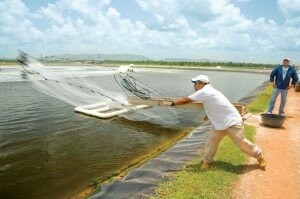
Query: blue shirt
x=283 y=83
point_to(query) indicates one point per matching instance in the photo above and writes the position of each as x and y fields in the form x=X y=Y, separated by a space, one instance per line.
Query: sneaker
x=269 y=112
x=205 y=166
x=262 y=162
x=282 y=114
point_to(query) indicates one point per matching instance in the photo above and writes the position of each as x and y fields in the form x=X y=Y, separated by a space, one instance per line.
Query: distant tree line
x=194 y=64
x=8 y=60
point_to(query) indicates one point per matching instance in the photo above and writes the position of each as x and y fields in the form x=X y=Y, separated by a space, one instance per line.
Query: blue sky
x=222 y=30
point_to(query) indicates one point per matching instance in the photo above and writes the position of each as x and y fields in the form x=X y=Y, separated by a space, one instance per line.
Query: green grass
x=261 y=102
x=215 y=183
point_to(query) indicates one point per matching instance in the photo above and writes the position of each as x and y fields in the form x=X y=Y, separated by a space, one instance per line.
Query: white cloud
x=51 y=12
x=291 y=10
x=14 y=21
x=159 y=18
x=188 y=27
x=143 y=4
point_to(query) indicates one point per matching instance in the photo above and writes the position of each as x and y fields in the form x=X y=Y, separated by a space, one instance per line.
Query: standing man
x=282 y=83
x=225 y=120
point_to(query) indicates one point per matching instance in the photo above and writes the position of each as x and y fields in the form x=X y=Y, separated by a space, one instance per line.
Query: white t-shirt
x=284 y=72
x=219 y=110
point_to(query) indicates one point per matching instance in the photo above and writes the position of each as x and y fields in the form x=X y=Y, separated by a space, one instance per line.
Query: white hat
x=287 y=58
x=201 y=78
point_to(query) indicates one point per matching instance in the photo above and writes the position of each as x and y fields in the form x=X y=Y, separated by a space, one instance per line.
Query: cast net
x=81 y=91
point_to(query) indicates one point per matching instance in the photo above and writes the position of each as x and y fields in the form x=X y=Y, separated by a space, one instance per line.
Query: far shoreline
x=205 y=68
x=145 y=66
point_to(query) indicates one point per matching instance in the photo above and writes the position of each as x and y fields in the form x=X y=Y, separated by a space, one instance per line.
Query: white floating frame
x=102 y=111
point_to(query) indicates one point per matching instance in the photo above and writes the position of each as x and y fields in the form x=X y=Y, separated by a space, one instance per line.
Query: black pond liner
x=141 y=182
x=272 y=120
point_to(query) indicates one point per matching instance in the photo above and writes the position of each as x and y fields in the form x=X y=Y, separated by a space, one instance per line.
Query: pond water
x=48 y=151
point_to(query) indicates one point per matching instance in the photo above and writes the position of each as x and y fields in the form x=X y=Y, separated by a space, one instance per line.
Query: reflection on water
x=48 y=151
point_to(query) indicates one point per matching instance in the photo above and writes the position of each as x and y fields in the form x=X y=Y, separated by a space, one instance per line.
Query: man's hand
x=290 y=86
x=180 y=101
x=274 y=85
x=168 y=103
x=205 y=118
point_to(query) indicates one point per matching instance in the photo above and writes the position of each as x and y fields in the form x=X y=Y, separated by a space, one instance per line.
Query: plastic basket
x=272 y=120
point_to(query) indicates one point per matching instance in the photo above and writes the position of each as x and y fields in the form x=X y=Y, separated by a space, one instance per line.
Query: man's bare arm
x=180 y=101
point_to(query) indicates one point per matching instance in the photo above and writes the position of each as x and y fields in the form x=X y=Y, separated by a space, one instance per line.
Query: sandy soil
x=281 y=147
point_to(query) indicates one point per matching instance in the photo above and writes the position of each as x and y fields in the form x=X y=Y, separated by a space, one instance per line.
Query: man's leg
x=212 y=144
x=236 y=133
x=274 y=96
x=283 y=101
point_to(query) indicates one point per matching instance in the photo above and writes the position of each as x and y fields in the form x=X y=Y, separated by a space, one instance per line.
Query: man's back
x=219 y=110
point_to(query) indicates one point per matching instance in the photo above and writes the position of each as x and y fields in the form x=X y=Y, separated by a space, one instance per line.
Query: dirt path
x=282 y=151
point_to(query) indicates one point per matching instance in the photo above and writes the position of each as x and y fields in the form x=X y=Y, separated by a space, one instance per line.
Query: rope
x=137 y=88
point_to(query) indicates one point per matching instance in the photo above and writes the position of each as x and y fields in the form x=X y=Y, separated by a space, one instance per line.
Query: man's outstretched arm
x=180 y=101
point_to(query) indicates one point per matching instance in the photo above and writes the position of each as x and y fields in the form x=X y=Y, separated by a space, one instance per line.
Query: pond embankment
x=281 y=147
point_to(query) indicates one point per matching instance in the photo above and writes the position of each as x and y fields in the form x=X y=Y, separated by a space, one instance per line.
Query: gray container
x=297 y=87
x=272 y=120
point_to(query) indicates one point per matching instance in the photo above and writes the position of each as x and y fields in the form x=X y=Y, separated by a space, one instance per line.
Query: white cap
x=287 y=58
x=201 y=78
